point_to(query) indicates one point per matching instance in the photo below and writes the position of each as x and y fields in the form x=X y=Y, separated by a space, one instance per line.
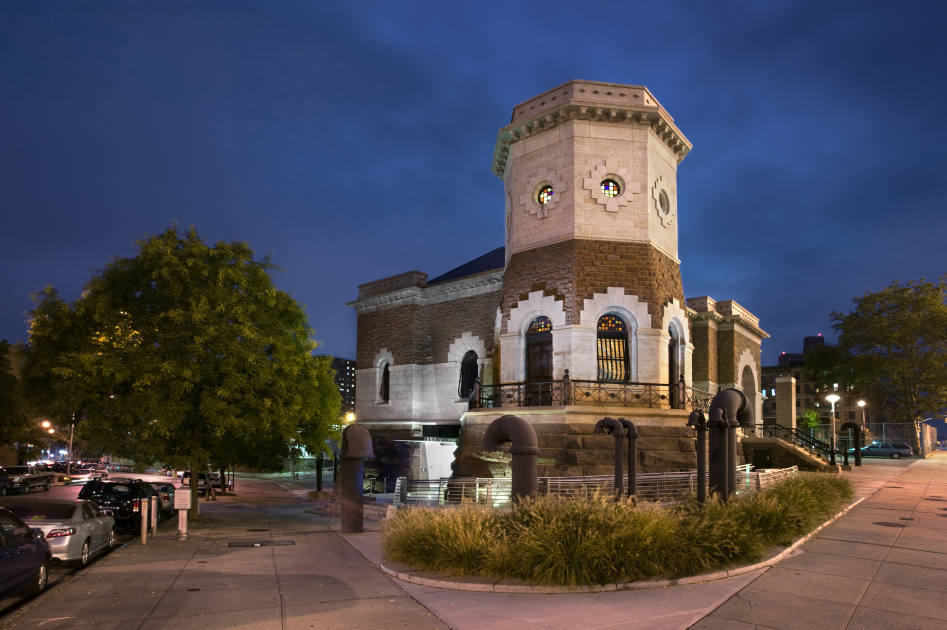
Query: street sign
x=182 y=499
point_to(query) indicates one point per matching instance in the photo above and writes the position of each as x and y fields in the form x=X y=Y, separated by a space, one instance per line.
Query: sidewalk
x=303 y=575
x=882 y=565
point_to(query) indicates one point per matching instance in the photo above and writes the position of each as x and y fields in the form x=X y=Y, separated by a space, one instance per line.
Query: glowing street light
x=833 y=398
x=349 y=417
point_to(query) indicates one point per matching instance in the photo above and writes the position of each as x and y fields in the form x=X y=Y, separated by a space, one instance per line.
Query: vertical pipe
x=732 y=424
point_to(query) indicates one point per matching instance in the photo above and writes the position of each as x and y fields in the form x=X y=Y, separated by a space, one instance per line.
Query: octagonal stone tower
x=590 y=175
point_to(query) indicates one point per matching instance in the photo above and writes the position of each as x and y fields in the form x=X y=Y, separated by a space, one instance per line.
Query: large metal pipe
x=726 y=409
x=615 y=428
x=524 y=449
x=631 y=433
x=699 y=423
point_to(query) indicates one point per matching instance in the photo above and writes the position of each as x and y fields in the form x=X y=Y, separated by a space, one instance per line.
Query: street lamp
x=349 y=417
x=833 y=398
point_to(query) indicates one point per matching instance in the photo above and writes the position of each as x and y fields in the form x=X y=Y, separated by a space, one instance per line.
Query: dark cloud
x=353 y=141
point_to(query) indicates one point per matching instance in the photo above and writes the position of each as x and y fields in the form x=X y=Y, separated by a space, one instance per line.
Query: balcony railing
x=569 y=391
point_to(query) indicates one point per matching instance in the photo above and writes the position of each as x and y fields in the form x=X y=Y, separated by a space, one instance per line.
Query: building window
x=612 y=348
x=545 y=195
x=384 y=389
x=610 y=188
x=468 y=375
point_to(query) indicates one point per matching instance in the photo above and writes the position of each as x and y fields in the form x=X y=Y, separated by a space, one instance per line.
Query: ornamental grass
x=570 y=542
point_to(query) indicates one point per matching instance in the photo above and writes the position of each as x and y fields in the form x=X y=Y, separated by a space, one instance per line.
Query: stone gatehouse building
x=581 y=315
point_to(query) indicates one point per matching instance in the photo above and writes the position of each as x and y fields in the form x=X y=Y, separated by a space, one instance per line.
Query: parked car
x=119 y=499
x=893 y=450
x=25 y=478
x=165 y=492
x=24 y=556
x=74 y=530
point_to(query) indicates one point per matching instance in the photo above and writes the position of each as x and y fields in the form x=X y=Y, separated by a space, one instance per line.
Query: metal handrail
x=569 y=391
x=799 y=438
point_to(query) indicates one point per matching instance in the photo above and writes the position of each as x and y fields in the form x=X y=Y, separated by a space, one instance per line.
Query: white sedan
x=75 y=530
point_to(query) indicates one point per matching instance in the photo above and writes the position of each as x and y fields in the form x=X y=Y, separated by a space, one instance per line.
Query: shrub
x=552 y=540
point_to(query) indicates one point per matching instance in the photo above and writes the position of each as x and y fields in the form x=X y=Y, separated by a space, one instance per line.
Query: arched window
x=384 y=389
x=612 y=349
x=468 y=375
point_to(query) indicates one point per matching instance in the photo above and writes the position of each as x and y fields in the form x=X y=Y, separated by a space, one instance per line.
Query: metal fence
x=656 y=487
x=583 y=392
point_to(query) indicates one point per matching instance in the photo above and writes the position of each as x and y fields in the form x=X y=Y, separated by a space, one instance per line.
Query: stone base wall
x=568 y=447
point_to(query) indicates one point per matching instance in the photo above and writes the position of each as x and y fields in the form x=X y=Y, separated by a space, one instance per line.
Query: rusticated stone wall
x=575 y=270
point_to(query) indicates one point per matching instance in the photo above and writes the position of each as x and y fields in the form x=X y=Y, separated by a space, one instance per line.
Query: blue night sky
x=354 y=142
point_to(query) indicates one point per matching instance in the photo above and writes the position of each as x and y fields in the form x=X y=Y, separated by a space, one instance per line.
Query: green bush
x=551 y=540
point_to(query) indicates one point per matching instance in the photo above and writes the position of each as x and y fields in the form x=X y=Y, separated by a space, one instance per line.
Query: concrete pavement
x=882 y=564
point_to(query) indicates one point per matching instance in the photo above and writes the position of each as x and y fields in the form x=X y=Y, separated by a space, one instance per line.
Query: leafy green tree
x=184 y=353
x=809 y=418
x=14 y=425
x=893 y=348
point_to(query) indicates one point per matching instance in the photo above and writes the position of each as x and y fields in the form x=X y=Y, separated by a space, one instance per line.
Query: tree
x=893 y=348
x=14 y=424
x=184 y=353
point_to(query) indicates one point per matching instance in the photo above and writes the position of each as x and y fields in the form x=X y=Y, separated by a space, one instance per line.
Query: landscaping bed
x=573 y=542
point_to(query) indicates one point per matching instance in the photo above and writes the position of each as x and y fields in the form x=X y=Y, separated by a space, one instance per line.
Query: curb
x=468 y=583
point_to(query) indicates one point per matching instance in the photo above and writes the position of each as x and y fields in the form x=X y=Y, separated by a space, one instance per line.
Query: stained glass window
x=545 y=195
x=610 y=188
x=540 y=325
x=612 y=348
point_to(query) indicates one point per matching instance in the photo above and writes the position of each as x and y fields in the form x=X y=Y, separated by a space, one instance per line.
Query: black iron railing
x=582 y=392
x=797 y=437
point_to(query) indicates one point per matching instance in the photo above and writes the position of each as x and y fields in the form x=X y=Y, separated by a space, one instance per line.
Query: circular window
x=610 y=188
x=664 y=204
x=545 y=195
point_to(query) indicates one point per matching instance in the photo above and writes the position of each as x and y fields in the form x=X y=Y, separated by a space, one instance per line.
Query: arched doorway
x=539 y=362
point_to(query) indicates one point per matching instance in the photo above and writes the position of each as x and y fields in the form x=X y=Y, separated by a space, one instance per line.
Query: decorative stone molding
x=663 y=201
x=529 y=202
x=674 y=314
x=654 y=117
x=615 y=300
x=478 y=284
x=620 y=172
x=533 y=306
x=466 y=342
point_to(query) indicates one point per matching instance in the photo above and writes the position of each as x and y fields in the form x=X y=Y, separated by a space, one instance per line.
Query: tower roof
x=588 y=100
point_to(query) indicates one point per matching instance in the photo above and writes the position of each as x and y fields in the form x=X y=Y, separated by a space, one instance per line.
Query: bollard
x=356 y=447
x=182 y=524
x=154 y=516
x=143 y=507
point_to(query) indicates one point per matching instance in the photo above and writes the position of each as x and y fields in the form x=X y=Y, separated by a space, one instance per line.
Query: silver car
x=75 y=530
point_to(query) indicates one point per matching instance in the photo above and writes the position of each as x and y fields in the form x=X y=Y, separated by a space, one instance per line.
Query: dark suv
x=120 y=499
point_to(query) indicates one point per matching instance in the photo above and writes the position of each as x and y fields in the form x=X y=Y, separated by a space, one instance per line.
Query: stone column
x=786 y=401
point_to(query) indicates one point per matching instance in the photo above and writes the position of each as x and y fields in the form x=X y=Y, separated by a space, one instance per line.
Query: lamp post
x=832 y=398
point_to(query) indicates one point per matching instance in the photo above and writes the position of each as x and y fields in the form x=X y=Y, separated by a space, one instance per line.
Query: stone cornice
x=736 y=320
x=655 y=117
x=442 y=292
